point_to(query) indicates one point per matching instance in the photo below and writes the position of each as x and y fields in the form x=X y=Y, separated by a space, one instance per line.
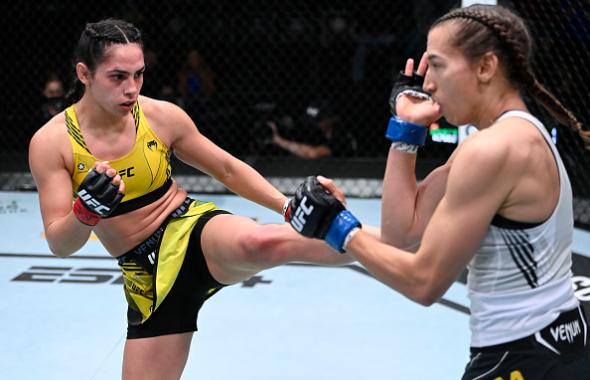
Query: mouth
x=436 y=102
x=128 y=104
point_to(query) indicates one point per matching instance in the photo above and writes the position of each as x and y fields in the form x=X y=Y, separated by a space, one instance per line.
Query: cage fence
x=246 y=70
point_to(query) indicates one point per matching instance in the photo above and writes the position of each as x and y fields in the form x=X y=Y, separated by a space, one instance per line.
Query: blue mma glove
x=318 y=214
x=399 y=130
x=407 y=136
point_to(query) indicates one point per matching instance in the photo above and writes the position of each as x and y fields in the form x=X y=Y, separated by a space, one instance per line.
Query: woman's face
x=117 y=80
x=451 y=78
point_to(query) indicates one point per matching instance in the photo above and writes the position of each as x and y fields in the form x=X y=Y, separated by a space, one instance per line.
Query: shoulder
x=510 y=142
x=159 y=111
x=496 y=157
x=52 y=132
x=482 y=162
x=483 y=149
x=50 y=144
x=167 y=119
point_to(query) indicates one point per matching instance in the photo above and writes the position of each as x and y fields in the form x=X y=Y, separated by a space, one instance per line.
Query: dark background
x=270 y=59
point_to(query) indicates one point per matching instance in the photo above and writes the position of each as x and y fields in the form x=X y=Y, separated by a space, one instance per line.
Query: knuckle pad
x=90 y=179
x=102 y=182
x=110 y=193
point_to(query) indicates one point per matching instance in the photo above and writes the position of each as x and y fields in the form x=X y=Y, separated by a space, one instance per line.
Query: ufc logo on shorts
x=91 y=202
x=298 y=220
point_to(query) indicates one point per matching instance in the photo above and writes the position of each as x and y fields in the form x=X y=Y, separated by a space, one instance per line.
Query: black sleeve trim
x=502 y=222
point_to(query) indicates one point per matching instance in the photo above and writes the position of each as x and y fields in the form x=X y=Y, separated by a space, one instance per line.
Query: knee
x=265 y=245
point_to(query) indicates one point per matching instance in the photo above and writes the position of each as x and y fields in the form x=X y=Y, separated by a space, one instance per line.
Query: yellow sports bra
x=145 y=170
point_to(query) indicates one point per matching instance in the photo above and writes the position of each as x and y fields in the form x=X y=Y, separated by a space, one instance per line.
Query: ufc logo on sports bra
x=127 y=172
x=96 y=206
x=298 y=220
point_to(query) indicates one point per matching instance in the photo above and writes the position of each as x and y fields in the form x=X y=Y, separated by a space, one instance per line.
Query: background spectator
x=318 y=133
x=53 y=99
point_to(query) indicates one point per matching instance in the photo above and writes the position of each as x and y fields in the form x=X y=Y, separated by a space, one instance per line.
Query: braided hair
x=92 y=46
x=485 y=28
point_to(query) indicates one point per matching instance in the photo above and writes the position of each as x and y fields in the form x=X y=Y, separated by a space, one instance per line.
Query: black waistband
x=142 y=252
x=565 y=337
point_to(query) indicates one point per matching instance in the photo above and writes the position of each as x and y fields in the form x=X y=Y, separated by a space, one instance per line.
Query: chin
x=456 y=121
x=450 y=119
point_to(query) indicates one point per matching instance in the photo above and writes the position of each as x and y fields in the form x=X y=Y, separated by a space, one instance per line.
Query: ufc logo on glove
x=298 y=220
x=96 y=205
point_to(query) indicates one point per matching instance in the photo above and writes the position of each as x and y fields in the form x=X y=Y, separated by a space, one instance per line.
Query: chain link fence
x=242 y=68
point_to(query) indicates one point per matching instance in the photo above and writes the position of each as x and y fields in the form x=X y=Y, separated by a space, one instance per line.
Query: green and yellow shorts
x=166 y=278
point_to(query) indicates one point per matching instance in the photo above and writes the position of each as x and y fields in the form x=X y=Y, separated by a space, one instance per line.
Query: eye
x=118 y=77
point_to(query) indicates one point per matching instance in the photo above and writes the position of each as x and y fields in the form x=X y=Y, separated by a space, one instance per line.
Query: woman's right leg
x=236 y=248
x=159 y=358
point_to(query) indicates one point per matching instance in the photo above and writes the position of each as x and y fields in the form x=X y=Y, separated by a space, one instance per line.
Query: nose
x=132 y=87
x=428 y=84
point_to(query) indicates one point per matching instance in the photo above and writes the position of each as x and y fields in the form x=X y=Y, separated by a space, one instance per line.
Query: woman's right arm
x=64 y=233
x=406 y=205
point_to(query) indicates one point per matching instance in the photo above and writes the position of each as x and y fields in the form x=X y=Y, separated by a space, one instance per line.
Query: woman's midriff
x=122 y=233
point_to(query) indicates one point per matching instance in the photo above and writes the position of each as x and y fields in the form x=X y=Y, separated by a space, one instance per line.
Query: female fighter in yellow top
x=111 y=150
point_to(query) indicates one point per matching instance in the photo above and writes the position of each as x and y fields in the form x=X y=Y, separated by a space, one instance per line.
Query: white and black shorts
x=559 y=351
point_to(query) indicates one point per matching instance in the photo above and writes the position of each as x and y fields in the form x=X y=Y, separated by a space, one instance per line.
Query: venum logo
x=566 y=331
x=152 y=144
x=81 y=166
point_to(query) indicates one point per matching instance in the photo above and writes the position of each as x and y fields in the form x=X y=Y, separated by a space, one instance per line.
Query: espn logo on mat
x=109 y=276
x=71 y=275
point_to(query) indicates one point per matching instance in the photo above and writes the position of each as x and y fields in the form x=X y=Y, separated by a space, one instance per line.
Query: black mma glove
x=404 y=135
x=407 y=85
x=97 y=197
x=318 y=214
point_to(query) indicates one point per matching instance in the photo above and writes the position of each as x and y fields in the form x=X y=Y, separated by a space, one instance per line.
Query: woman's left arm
x=479 y=183
x=193 y=148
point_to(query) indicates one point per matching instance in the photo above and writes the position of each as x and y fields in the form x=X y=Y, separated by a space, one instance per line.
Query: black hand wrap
x=98 y=194
x=313 y=209
x=410 y=85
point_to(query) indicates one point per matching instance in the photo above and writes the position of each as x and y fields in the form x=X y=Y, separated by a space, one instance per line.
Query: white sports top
x=520 y=278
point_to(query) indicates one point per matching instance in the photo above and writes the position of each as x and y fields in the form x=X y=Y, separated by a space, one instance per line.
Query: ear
x=83 y=73
x=487 y=67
